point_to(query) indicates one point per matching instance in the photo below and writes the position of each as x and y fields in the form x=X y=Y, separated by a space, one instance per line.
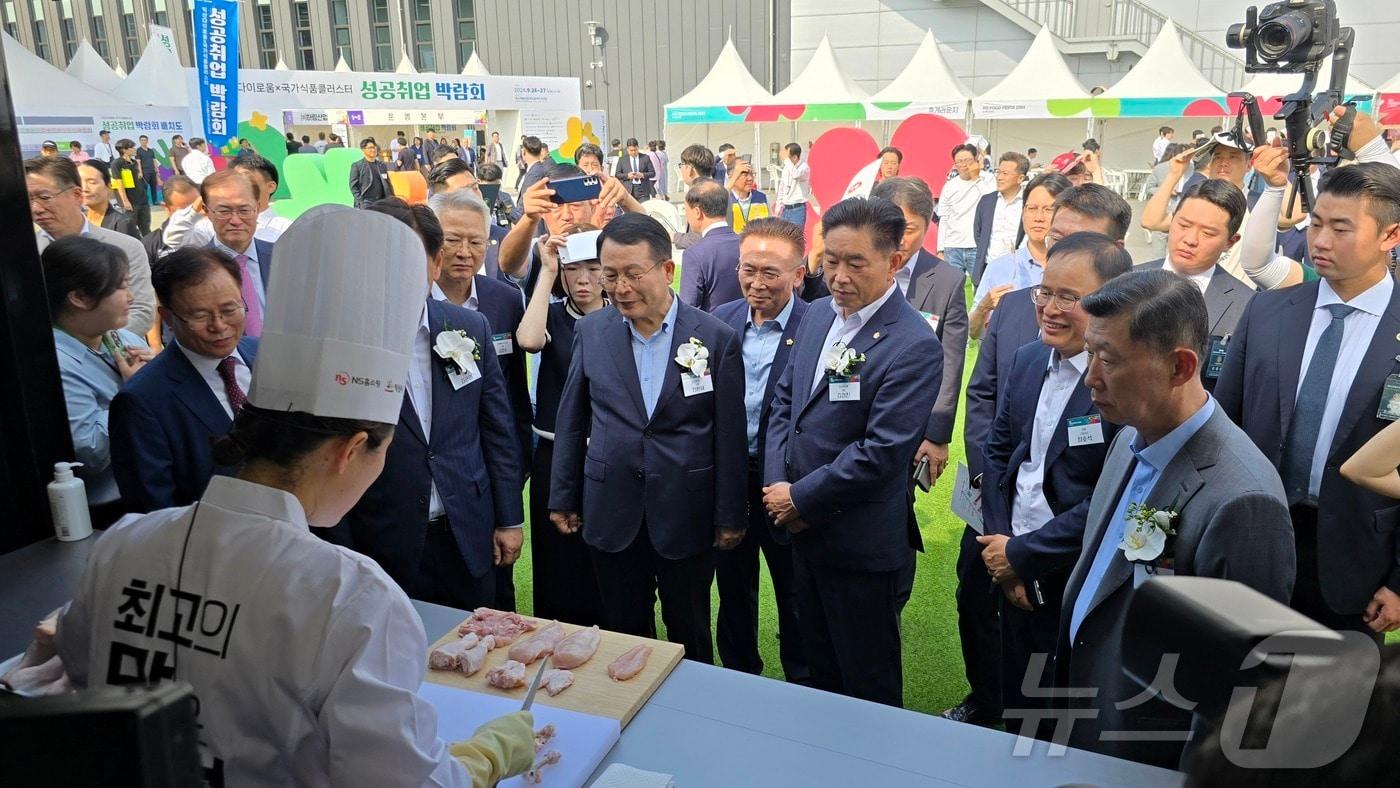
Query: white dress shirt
x=1159 y=147
x=197 y=166
x=208 y=369
x=844 y=329
x=904 y=276
x=795 y=184
x=1201 y=280
x=420 y=393
x=254 y=269
x=957 y=207
x=1029 y=509
x=271 y=226
x=1006 y=222
x=1358 y=329
x=104 y=152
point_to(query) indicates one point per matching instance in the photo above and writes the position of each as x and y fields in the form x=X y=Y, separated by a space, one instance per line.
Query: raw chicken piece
x=508 y=675
x=556 y=681
x=543 y=735
x=577 y=648
x=449 y=655
x=630 y=663
x=534 y=777
x=473 y=658
x=505 y=626
x=541 y=644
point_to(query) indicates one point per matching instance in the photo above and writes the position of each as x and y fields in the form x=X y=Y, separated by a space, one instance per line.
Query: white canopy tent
x=1035 y=87
x=821 y=82
x=341 y=67
x=89 y=67
x=475 y=67
x=1165 y=71
x=1388 y=102
x=928 y=84
x=280 y=65
x=158 y=78
x=728 y=83
x=405 y=66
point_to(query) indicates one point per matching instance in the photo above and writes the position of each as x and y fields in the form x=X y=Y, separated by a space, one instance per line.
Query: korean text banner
x=216 y=45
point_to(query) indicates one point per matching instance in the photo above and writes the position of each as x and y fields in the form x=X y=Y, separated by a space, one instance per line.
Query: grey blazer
x=1226 y=297
x=1233 y=524
x=936 y=288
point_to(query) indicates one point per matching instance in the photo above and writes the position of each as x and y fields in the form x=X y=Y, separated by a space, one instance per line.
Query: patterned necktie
x=1307 y=413
x=253 y=326
x=236 y=397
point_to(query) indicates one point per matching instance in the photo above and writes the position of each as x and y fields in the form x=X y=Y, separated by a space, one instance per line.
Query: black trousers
x=565 y=585
x=629 y=582
x=443 y=577
x=1307 y=588
x=850 y=630
x=152 y=189
x=1027 y=637
x=978 y=629
x=737 y=574
x=142 y=215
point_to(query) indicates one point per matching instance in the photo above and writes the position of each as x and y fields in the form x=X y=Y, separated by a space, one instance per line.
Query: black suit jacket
x=710 y=270
x=736 y=314
x=1226 y=298
x=369 y=181
x=120 y=221
x=644 y=189
x=982 y=219
x=162 y=423
x=936 y=290
x=1356 y=544
x=1049 y=553
x=472 y=456
x=1012 y=325
x=500 y=303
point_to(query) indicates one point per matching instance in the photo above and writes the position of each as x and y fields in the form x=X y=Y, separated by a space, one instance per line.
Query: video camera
x=1296 y=37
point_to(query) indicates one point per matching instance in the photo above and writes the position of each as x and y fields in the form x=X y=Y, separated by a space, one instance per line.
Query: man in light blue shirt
x=760 y=344
x=651 y=354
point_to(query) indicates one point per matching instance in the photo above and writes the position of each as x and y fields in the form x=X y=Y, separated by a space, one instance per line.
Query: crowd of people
x=784 y=395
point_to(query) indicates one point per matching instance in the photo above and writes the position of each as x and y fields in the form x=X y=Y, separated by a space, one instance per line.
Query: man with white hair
x=464 y=218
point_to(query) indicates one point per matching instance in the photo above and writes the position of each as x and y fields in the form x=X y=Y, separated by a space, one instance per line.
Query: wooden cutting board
x=594 y=691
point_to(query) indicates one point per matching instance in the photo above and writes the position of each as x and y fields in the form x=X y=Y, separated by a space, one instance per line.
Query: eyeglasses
x=612 y=278
x=1065 y=301
x=769 y=275
x=206 y=319
x=245 y=212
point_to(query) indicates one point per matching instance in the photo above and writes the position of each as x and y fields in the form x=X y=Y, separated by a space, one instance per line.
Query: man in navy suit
x=1043 y=457
x=996 y=224
x=649 y=442
x=636 y=171
x=766 y=319
x=231 y=202
x=709 y=269
x=446 y=511
x=847 y=416
x=163 y=419
x=450 y=175
x=1309 y=375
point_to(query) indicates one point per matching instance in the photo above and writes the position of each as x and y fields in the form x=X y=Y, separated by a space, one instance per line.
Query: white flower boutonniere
x=841 y=361
x=694 y=357
x=1148 y=535
x=458 y=349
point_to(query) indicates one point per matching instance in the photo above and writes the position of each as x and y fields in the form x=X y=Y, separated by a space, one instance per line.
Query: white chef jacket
x=295 y=645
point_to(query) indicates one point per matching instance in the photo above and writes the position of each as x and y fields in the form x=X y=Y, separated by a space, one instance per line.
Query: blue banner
x=216 y=45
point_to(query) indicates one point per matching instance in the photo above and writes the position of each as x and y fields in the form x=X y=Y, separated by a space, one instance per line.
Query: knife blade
x=534 y=685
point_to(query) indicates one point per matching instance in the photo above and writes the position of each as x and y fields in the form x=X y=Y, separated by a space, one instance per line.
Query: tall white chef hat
x=344 y=303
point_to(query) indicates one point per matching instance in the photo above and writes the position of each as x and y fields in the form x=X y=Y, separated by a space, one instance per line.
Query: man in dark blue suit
x=649 y=442
x=446 y=512
x=449 y=175
x=709 y=269
x=766 y=319
x=847 y=416
x=1043 y=457
x=635 y=170
x=163 y=419
x=231 y=202
x=1310 y=375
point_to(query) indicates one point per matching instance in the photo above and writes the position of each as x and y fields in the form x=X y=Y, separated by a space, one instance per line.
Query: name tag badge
x=460 y=379
x=503 y=342
x=843 y=389
x=1215 y=359
x=693 y=384
x=1390 y=400
x=1085 y=430
x=932 y=321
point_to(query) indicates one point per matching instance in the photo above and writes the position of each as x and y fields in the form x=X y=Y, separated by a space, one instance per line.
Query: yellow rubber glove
x=503 y=747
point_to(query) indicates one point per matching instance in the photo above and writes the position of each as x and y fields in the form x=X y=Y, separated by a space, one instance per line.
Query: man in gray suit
x=1203 y=228
x=1178 y=453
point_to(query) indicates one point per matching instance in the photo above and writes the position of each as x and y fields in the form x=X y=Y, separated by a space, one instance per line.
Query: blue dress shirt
x=760 y=345
x=90 y=381
x=1150 y=461
x=1017 y=269
x=652 y=355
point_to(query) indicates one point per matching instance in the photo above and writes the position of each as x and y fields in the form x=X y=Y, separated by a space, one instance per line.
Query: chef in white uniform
x=306 y=658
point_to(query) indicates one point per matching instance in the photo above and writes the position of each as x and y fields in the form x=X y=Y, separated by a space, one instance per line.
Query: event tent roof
x=729 y=83
x=927 y=78
x=474 y=67
x=281 y=65
x=1280 y=85
x=40 y=88
x=158 y=78
x=1165 y=71
x=1041 y=76
x=1393 y=86
x=89 y=67
x=341 y=67
x=821 y=82
x=405 y=66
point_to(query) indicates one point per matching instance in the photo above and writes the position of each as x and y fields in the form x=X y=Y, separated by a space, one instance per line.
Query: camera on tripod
x=1297 y=37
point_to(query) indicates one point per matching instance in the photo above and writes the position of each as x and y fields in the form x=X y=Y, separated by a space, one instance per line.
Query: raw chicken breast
x=629 y=663
x=556 y=681
x=473 y=658
x=577 y=648
x=505 y=626
x=449 y=655
x=527 y=651
x=508 y=675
